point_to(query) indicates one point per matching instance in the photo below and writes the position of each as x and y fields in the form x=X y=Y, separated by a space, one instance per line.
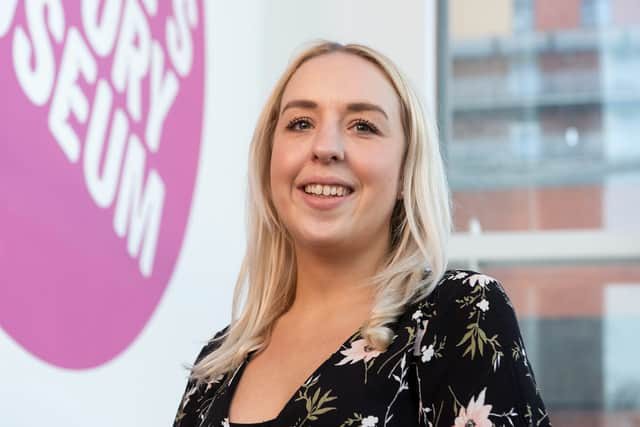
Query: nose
x=328 y=144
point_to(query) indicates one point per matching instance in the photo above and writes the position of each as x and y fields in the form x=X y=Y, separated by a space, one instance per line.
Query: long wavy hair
x=419 y=232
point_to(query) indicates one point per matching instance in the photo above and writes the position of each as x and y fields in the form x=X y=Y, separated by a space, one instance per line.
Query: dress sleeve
x=191 y=405
x=470 y=361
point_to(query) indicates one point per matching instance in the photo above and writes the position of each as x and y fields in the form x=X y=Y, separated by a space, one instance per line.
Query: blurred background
x=538 y=106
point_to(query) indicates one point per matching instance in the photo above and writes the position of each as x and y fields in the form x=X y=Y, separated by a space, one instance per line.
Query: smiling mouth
x=327 y=190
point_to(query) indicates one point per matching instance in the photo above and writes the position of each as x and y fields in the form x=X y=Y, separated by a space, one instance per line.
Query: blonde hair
x=420 y=228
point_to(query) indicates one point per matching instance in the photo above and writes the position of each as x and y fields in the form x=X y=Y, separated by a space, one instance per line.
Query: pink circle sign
x=100 y=127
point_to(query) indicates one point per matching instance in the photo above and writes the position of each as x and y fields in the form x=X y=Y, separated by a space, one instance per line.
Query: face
x=337 y=154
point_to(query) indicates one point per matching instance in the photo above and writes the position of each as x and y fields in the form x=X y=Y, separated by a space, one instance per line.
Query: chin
x=321 y=240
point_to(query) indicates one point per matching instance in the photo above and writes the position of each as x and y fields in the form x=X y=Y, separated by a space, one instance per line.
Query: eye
x=299 y=123
x=365 y=126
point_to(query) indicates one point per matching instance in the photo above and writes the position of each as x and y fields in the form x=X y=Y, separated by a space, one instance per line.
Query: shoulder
x=213 y=343
x=473 y=311
x=465 y=288
x=467 y=341
x=197 y=391
x=463 y=301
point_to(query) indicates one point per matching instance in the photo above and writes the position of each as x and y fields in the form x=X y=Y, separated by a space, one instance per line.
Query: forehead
x=339 y=78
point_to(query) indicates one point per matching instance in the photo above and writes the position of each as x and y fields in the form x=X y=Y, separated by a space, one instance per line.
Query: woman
x=351 y=318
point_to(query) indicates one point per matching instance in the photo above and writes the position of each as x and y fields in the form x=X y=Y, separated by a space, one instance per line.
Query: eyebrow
x=351 y=107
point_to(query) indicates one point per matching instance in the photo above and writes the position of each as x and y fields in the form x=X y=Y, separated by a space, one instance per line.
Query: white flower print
x=480 y=279
x=459 y=275
x=427 y=353
x=428 y=335
x=496 y=361
x=483 y=305
x=370 y=421
x=311 y=380
x=358 y=351
x=425 y=412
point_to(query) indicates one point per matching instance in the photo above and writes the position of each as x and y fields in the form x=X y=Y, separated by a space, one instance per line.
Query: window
x=539 y=110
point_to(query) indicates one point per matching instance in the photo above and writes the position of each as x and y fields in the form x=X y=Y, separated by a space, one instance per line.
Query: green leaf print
x=314 y=405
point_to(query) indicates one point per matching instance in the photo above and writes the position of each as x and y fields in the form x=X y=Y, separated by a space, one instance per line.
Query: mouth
x=326 y=190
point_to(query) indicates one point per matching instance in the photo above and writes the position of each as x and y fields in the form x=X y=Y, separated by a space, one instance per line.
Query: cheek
x=380 y=170
x=279 y=164
x=285 y=165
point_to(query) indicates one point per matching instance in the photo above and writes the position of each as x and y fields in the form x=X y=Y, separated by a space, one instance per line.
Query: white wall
x=247 y=45
x=404 y=30
x=143 y=385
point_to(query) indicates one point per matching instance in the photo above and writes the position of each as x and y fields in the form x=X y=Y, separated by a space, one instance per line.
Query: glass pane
x=580 y=326
x=541 y=113
x=539 y=110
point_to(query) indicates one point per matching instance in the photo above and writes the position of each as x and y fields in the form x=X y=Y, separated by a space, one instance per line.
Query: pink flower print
x=480 y=279
x=358 y=351
x=476 y=414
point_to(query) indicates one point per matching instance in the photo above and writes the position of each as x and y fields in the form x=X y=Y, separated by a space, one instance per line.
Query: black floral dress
x=457 y=359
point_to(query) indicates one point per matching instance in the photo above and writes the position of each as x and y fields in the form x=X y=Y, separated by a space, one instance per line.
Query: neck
x=331 y=281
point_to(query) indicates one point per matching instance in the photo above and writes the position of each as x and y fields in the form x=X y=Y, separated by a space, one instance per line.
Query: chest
x=352 y=386
x=270 y=379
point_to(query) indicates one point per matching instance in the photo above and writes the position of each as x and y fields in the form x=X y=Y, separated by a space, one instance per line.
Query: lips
x=326 y=181
x=320 y=202
x=327 y=190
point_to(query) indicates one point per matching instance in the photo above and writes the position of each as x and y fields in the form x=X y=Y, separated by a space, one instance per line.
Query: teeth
x=326 y=190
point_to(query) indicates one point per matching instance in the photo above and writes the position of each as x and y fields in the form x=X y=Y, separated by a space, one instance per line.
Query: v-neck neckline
x=235 y=379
